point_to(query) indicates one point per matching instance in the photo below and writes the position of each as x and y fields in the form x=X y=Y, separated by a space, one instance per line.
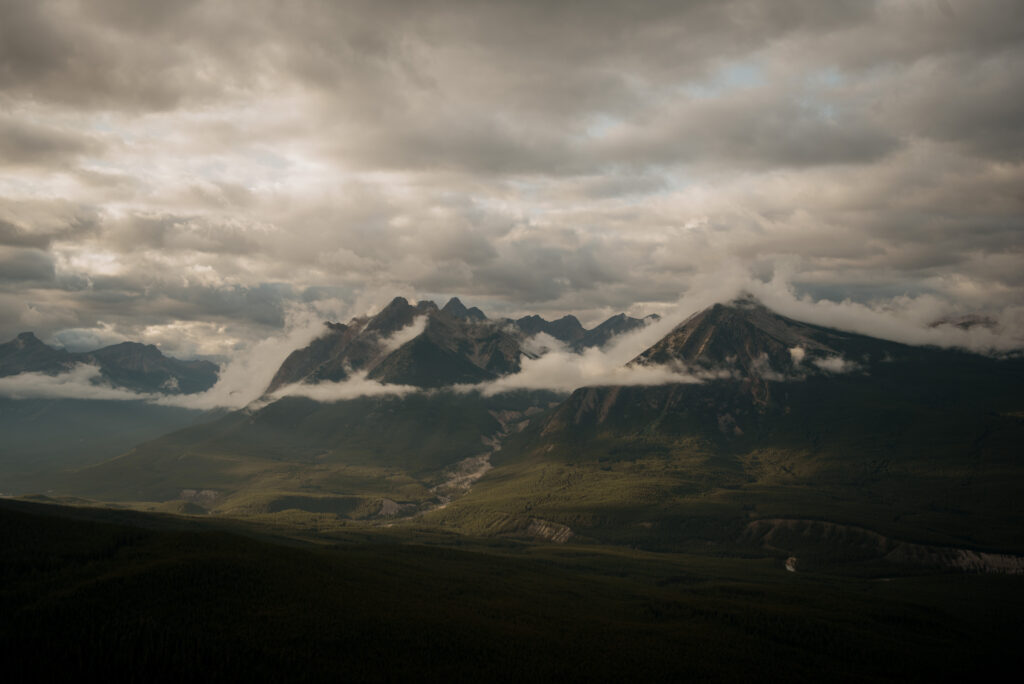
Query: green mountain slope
x=42 y=437
x=344 y=457
x=919 y=444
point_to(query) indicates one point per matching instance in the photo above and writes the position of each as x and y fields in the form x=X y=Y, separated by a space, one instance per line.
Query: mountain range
x=130 y=365
x=450 y=345
x=772 y=424
x=46 y=434
x=569 y=330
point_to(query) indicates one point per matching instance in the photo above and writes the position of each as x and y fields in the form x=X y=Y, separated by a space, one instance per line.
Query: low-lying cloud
x=565 y=371
x=354 y=387
x=561 y=370
x=836 y=364
x=81 y=381
x=406 y=334
x=246 y=376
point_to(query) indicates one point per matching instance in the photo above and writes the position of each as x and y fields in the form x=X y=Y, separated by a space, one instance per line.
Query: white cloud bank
x=406 y=334
x=909 y=319
x=561 y=370
x=248 y=374
x=836 y=364
x=353 y=388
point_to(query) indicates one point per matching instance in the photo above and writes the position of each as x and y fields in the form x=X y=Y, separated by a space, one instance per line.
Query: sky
x=210 y=177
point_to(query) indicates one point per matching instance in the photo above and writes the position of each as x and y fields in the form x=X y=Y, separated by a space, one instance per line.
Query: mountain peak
x=27 y=353
x=745 y=300
x=392 y=318
x=128 y=346
x=456 y=308
x=614 y=326
x=567 y=328
x=426 y=306
x=28 y=339
x=746 y=337
x=460 y=346
x=454 y=304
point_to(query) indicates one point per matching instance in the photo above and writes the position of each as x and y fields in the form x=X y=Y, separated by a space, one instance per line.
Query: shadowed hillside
x=129 y=597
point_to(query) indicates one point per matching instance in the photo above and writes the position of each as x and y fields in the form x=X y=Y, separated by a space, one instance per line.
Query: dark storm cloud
x=51 y=51
x=972 y=102
x=16 y=236
x=24 y=143
x=109 y=298
x=21 y=265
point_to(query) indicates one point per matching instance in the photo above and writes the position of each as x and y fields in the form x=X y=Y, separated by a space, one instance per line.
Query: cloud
x=248 y=372
x=906 y=319
x=25 y=265
x=356 y=386
x=81 y=340
x=835 y=364
x=797 y=354
x=192 y=169
x=406 y=334
x=23 y=143
x=561 y=370
x=565 y=371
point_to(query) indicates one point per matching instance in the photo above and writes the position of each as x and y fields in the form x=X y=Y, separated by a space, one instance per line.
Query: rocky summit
x=447 y=346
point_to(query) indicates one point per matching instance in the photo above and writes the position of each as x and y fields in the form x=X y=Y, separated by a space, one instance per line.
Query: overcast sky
x=198 y=174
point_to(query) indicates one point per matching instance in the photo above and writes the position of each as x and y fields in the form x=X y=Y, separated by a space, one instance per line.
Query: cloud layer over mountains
x=207 y=175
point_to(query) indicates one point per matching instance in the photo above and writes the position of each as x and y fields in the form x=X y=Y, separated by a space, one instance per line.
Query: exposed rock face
x=142 y=367
x=26 y=353
x=747 y=341
x=849 y=542
x=568 y=329
x=613 y=327
x=456 y=309
x=135 y=366
x=455 y=346
x=745 y=336
x=551 y=531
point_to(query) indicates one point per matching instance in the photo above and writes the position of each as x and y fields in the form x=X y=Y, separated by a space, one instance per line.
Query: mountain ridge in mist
x=129 y=365
x=454 y=345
